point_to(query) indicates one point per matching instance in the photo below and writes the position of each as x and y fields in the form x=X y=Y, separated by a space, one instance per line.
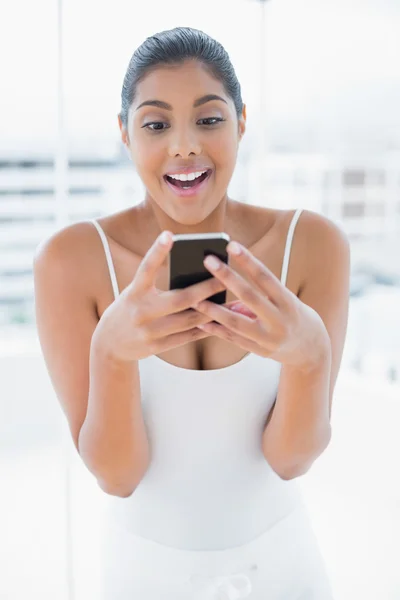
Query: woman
x=196 y=418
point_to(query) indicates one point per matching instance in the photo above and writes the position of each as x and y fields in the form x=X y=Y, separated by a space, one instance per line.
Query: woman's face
x=182 y=124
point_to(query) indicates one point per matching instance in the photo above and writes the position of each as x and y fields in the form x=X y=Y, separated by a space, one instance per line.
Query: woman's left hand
x=269 y=320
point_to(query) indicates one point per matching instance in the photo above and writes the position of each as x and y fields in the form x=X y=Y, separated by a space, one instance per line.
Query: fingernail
x=212 y=262
x=235 y=248
x=164 y=238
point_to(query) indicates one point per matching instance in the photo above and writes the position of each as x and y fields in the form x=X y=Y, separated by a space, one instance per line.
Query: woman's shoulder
x=75 y=253
x=311 y=228
x=81 y=239
x=68 y=242
x=316 y=239
x=314 y=233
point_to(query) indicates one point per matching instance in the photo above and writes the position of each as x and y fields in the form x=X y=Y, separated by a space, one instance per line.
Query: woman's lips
x=190 y=191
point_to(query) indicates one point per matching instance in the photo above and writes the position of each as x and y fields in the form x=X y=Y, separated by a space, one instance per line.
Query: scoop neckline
x=219 y=370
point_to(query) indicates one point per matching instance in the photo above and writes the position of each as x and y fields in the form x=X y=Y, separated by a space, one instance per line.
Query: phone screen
x=186 y=260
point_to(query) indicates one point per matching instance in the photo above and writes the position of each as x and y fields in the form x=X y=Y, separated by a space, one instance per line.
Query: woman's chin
x=188 y=213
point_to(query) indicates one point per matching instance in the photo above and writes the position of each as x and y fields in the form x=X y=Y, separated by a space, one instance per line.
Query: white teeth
x=187 y=176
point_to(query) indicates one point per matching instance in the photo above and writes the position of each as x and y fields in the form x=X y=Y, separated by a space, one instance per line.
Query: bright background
x=322 y=87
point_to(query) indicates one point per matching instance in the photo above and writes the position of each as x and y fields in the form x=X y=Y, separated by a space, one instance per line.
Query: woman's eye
x=211 y=121
x=155 y=126
x=158 y=126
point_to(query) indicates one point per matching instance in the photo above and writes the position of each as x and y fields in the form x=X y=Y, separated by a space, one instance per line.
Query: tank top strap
x=110 y=263
x=288 y=246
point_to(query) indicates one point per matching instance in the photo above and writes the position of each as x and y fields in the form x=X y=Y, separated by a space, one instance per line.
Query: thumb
x=151 y=263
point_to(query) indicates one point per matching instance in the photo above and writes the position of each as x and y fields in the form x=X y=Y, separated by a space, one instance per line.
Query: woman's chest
x=209 y=353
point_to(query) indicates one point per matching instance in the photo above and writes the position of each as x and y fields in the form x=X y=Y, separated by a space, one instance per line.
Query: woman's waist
x=208 y=518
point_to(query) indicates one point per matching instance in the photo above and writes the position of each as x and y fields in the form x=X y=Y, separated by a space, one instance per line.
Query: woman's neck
x=158 y=220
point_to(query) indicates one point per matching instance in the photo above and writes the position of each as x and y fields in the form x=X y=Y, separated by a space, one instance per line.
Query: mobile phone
x=186 y=259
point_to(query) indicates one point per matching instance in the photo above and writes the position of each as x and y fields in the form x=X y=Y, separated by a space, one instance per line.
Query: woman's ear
x=242 y=122
x=124 y=133
x=124 y=137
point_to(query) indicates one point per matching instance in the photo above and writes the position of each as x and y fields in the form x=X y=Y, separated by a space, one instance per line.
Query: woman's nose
x=184 y=144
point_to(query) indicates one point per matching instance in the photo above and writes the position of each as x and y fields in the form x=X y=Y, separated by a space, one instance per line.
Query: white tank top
x=209 y=486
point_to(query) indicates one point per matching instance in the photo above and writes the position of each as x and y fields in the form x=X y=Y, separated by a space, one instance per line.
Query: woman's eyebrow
x=207 y=98
x=166 y=106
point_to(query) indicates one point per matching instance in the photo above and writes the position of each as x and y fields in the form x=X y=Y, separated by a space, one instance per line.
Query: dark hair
x=173 y=47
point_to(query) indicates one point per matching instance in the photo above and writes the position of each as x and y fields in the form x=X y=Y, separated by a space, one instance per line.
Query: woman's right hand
x=145 y=320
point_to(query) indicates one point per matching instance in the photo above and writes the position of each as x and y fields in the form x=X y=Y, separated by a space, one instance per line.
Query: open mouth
x=190 y=183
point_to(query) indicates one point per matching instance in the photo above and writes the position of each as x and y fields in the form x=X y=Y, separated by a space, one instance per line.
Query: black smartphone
x=186 y=259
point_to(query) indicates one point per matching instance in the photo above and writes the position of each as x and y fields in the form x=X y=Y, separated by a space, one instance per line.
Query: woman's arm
x=299 y=429
x=112 y=440
x=100 y=397
x=304 y=332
